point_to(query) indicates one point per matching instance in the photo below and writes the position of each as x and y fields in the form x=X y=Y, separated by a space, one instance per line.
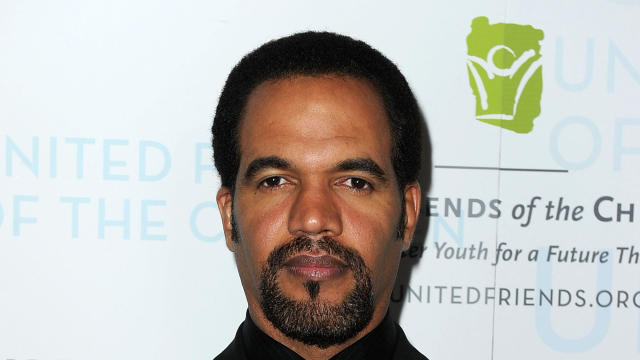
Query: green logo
x=505 y=73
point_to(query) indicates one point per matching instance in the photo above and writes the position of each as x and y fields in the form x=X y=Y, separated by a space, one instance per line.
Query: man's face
x=316 y=222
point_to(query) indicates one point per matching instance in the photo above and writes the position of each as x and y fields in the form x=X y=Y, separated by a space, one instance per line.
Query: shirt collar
x=378 y=344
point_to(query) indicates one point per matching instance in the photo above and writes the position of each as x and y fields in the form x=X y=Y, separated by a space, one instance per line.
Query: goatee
x=313 y=321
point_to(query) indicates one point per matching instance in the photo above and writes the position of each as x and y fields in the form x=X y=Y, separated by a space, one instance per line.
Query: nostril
x=314 y=212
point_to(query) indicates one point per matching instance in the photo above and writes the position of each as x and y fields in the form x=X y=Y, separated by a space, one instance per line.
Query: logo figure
x=505 y=73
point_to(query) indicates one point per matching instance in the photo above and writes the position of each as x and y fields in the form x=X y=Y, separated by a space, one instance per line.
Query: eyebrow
x=269 y=162
x=365 y=165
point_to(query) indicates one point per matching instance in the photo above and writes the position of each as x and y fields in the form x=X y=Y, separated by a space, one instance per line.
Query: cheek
x=373 y=234
x=372 y=219
x=261 y=230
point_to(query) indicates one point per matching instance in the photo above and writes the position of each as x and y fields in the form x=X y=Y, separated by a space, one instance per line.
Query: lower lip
x=317 y=273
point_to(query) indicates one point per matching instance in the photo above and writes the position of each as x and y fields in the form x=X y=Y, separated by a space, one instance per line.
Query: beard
x=316 y=322
x=313 y=321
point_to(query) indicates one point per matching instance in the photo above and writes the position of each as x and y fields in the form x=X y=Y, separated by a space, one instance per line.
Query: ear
x=224 y=199
x=412 y=198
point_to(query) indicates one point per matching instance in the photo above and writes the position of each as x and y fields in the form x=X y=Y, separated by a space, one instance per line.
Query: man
x=317 y=141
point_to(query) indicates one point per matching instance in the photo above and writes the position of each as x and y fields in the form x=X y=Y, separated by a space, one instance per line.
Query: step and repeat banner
x=110 y=240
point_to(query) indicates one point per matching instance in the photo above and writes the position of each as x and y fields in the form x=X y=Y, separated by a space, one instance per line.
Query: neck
x=312 y=352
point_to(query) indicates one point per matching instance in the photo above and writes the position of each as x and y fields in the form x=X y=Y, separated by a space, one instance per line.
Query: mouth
x=317 y=268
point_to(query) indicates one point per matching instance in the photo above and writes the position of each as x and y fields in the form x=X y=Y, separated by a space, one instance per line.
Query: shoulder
x=404 y=350
x=235 y=350
x=230 y=353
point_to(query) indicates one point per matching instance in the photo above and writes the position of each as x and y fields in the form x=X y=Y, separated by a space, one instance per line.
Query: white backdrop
x=110 y=244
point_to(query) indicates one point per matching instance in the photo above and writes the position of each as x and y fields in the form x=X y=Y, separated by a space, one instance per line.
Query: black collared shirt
x=386 y=341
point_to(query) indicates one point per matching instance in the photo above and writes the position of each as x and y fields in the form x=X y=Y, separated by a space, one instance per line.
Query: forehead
x=315 y=116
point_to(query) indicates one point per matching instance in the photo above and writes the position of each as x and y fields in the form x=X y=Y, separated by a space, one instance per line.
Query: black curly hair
x=318 y=53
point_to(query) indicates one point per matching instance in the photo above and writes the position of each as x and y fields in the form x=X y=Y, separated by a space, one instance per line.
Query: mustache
x=315 y=322
x=279 y=256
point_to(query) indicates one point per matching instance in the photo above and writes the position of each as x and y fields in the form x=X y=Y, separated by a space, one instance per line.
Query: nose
x=314 y=212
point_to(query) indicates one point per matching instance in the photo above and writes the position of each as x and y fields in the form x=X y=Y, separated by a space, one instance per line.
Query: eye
x=358 y=184
x=272 y=182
